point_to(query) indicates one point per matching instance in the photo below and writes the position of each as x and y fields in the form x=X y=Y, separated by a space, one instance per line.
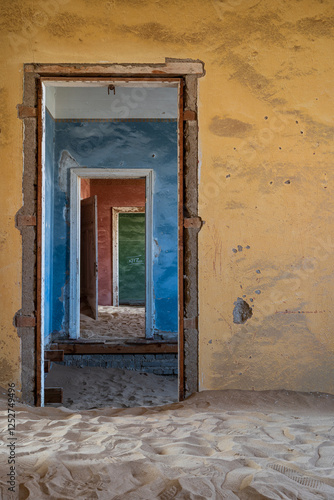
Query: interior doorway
x=34 y=216
x=89 y=149
x=114 y=187
x=113 y=259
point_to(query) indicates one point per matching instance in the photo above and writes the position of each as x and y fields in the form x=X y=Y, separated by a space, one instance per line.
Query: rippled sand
x=216 y=445
x=114 y=323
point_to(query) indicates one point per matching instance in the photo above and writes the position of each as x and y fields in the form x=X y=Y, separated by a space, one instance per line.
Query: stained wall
x=266 y=149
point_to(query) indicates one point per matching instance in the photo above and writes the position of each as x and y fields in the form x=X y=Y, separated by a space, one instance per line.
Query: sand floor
x=215 y=445
x=113 y=323
x=92 y=387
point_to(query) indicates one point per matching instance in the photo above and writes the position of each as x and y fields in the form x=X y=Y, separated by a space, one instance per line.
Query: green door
x=131 y=258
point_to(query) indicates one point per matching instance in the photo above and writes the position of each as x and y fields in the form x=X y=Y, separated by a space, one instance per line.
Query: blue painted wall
x=48 y=213
x=132 y=144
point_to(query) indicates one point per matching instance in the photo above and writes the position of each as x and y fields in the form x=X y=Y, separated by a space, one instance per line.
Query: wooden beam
x=168 y=68
x=189 y=115
x=38 y=351
x=191 y=323
x=26 y=220
x=54 y=355
x=180 y=346
x=192 y=222
x=26 y=111
x=148 y=341
x=25 y=321
x=53 y=395
x=156 y=348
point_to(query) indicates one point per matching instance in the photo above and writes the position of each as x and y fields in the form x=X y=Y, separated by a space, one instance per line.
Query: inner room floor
x=113 y=323
x=94 y=387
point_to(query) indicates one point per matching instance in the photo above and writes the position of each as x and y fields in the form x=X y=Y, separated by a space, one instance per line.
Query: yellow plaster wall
x=266 y=144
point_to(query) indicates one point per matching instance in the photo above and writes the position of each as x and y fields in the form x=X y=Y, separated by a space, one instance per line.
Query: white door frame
x=115 y=247
x=74 y=280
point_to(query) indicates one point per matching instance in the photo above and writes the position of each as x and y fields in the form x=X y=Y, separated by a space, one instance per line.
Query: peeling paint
x=66 y=162
x=241 y=312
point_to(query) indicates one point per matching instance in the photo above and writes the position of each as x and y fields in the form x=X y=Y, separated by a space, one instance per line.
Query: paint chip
x=240 y=248
x=258 y=271
x=234 y=250
x=258 y=292
x=241 y=312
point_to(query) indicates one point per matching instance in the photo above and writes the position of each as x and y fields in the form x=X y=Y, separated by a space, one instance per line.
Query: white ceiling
x=127 y=102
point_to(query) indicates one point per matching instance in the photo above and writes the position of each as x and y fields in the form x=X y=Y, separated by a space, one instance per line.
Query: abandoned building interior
x=166 y=249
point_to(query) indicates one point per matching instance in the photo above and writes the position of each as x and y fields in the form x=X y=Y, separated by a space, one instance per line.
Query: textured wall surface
x=266 y=180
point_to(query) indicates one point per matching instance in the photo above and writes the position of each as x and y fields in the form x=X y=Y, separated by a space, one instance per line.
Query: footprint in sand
x=170 y=492
x=304 y=479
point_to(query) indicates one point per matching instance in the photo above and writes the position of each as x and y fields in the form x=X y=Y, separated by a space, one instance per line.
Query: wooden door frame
x=28 y=319
x=115 y=250
x=76 y=174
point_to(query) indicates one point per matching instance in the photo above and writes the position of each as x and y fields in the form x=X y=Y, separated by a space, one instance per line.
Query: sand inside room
x=215 y=445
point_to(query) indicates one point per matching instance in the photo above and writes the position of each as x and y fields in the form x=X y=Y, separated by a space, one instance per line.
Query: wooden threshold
x=53 y=395
x=54 y=355
x=112 y=348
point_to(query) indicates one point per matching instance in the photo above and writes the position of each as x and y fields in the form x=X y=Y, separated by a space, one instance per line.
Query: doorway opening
x=41 y=319
x=113 y=259
x=95 y=149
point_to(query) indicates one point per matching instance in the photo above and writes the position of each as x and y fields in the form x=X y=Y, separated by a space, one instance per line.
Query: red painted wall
x=111 y=193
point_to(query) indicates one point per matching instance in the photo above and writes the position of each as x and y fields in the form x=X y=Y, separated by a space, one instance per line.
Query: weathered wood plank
x=26 y=111
x=53 y=395
x=25 y=321
x=54 y=355
x=168 y=68
x=189 y=115
x=84 y=348
x=192 y=222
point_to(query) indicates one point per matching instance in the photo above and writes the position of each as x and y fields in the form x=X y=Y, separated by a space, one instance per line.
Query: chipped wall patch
x=66 y=162
x=241 y=312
